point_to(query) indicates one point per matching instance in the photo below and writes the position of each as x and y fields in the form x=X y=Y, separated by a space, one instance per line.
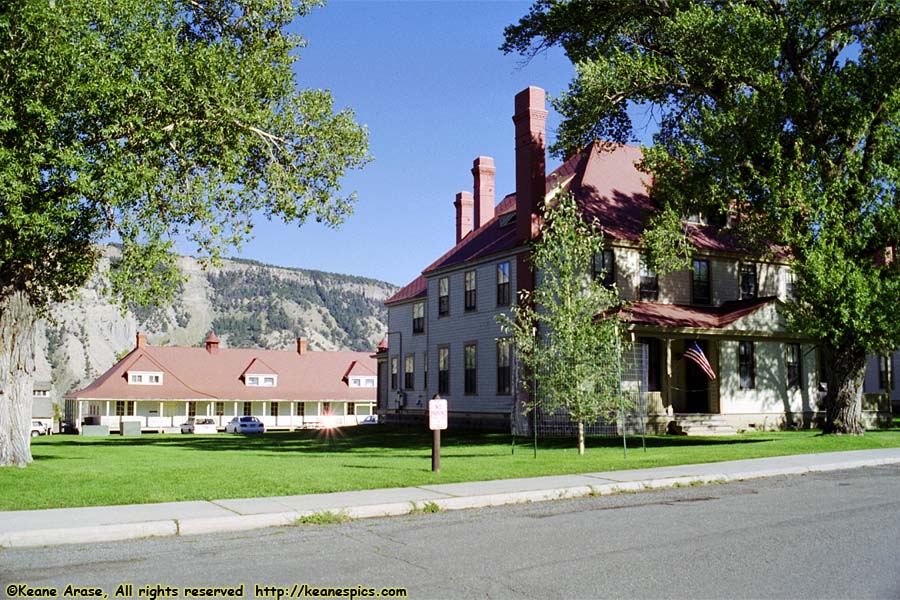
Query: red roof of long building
x=197 y=374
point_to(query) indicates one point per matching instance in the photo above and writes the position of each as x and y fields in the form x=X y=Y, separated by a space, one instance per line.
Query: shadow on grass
x=380 y=440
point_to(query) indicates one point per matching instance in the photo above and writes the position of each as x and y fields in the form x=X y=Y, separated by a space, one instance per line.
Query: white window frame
x=145 y=378
x=261 y=380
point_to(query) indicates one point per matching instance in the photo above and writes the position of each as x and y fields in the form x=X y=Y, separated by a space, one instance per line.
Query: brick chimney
x=530 y=120
x=483 y=171
x=464 y=215
x=301 y=345
x=140 y=340
x=212 y=343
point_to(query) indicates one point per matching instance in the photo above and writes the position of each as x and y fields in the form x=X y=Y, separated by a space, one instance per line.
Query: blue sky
x=427 y=80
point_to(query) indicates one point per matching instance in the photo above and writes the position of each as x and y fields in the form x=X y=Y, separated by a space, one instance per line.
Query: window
x=144 y=378
x=248 y=409
x=469 y=362
x=394 y=373
x=649 y=288
x=301 y=409
x=192 y=409
x=748 y=280
x=503 y=284
x=409 y=371
x=220 y=409
x=273 y=409
x=351 y=409
x=746 y=366
x=326 y=408
x=443 y=296
x=700 y=282
x=418 y=310
x=259 y=380
x=653 y=363
x=605 y=268
x=41 y=393
x=884 y=372
x=444 y=370
x=504 y=367
x=470 y=290
x=792 y=363
x=355 y=382
x=369 y=382
x=790 y=286
x=425 y=371
x=124 y=408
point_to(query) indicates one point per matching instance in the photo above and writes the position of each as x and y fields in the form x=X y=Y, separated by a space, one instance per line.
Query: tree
x=151 y=121
x=783 y=114
x=558 y=337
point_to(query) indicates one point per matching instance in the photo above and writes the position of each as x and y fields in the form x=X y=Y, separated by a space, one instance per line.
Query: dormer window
x=358 y=382
x=261 y=380
x=145 y=378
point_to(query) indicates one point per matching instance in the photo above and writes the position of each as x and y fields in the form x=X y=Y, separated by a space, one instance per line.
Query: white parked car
x=38 y=428
x=245 y=425
x=199 y=425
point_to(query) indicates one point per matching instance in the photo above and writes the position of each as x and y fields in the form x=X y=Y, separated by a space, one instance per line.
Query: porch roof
x=655 y=314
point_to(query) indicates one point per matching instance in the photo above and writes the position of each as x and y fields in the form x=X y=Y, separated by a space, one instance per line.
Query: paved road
x=825 y=535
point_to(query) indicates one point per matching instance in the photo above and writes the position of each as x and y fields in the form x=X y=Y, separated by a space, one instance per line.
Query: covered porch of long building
x=164 y=415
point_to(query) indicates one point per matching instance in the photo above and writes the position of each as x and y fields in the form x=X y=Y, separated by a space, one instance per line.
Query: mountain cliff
x=248 y=304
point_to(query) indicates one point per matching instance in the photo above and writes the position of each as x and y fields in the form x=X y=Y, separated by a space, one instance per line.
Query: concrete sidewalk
x=106 y=523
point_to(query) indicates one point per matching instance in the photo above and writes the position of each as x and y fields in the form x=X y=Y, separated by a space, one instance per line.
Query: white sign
x=437 y=414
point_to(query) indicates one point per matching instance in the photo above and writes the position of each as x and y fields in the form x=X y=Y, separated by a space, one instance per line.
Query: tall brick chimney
x=483 y=171
x=530 y=120
x=301 y=345
x=464 y=215
x=140 y=340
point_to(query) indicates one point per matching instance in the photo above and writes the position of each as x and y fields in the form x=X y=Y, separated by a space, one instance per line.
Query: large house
x=160 y=387
x=444 y=338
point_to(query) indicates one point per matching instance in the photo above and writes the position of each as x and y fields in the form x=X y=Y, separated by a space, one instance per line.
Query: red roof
x=701 y=317
x=414 y=289
x=195 y=373
x=608 y=186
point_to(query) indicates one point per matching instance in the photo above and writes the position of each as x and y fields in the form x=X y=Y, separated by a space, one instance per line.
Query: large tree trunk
x=845 y=371
x=581 y=438
x=18 y=320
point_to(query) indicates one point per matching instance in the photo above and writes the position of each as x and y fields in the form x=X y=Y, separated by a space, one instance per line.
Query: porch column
x=78 y=422
x=235 y=410
x=667 y=385
x=160 y=415
x=107 y=408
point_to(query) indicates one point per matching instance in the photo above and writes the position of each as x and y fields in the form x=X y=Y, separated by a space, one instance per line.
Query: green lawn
x=74 y=471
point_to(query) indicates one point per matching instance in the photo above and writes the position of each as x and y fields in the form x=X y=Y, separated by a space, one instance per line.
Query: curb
x=207 y=525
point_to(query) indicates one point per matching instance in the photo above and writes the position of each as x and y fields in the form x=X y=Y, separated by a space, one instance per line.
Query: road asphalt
x=106 y=523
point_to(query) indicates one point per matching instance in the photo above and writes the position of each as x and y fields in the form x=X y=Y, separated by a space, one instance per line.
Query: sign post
x=437 y=420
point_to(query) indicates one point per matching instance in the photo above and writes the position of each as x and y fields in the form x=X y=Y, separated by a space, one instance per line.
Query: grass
x=323 y=518
x=72 y=471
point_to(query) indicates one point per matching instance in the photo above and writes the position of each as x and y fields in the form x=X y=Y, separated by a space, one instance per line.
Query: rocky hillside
x=248 y=304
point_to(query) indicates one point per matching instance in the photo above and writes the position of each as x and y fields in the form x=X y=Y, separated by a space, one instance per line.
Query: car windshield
x=248 y=419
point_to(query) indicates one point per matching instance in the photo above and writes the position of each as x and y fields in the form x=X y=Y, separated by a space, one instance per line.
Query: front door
x=697 y=384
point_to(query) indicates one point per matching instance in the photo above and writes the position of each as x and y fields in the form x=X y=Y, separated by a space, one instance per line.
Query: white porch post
x=667 y=388
x=235 y=410
x=78 y=422
x=160 y=416
x=107 y=408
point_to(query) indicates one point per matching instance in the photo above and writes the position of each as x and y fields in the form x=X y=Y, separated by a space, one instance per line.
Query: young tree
x=783 y=113
x=150 y=120
x=559 y=338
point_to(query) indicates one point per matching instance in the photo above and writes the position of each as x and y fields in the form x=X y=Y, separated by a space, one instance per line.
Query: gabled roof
x=655 y=314
x=143 y=363
x=195 y=373
x=258 y=367
x=358 y=369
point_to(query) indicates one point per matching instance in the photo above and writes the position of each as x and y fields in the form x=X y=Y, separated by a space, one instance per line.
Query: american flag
x=695 y=353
